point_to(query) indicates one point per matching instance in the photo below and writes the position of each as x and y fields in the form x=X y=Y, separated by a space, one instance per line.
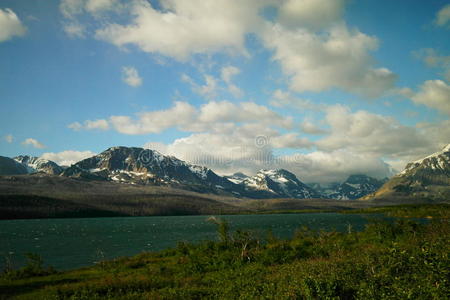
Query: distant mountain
x=355 y=187
x=278 y=183
x=9 y=166
x=145 y=166
x=424 y=179
x=35 y=164
x=139 y=166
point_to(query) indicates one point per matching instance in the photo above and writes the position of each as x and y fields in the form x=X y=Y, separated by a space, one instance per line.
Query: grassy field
x=402 y=260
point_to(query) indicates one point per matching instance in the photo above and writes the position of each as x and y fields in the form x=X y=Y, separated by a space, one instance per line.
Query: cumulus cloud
x=434 y=94
x=9 y=138
x=338 y=58
x=184 y=28
x=245 y=147
x=364 y=132
x=74 y=30
x=131 y=76
x=443 y=16
x=227 y=74
x=240 y=151
x=208 y=90
x=310 y=127
x=213 y=86
x=433 y=59
x=286 y=99
x=335 y=166
x=210 y=116
x=10 y=25
x=68 y=157
x=100 y=124
x=34 y=143
x=313 y=14
x=72 y=9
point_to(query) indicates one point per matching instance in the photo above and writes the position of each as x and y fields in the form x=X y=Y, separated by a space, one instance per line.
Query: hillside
x=43 y=196
x=427 y=179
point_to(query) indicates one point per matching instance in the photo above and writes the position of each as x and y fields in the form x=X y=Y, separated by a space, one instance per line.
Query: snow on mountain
x=438 y=162
x=356 y=186
x=145 y=166
x=427 y=178
x=277 y=183
x=35 y=164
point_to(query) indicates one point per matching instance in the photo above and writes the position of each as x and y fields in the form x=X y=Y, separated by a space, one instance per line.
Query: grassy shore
x=402 y=260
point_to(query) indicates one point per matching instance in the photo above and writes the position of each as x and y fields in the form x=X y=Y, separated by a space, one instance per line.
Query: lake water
x=73 y=243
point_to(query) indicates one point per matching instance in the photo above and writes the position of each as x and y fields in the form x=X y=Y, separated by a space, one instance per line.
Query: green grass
x=408 y=211
x=402 y=260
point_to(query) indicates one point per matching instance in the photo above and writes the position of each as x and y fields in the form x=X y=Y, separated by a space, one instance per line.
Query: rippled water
x=72 y=243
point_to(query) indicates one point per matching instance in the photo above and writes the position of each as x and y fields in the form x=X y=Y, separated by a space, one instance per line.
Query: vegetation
x=401 y=260
x=409 y=211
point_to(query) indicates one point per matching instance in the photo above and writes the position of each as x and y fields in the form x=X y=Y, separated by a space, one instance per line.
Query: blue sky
x=331 y=87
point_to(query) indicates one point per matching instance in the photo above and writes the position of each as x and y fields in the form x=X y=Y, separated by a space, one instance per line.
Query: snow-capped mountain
x=427 y=178
x=278 y=183
x=355 y=187
x=35 y=164
x=145 y=166
x=435 y=164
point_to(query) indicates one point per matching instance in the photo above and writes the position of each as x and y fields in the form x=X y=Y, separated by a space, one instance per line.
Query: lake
x=73 y=243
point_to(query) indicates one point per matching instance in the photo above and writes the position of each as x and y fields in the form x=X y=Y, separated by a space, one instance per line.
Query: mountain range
x=136 y=166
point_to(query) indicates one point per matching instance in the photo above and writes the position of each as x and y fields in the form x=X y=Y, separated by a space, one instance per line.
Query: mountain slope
x=354 y=187
x=278 y=183
x=35 y=164
x=427 y=178
x=144 y=166
x=9 y=166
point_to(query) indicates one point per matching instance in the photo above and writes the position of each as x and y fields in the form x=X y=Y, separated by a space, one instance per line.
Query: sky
x=322 y=88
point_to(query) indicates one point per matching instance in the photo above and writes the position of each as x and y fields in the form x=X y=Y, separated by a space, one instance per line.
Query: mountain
x=35 y=164
x=139 y=166
x=148 y=167
x=278 y=183
x=424 y=179
x=355 y=187
x=9 y=166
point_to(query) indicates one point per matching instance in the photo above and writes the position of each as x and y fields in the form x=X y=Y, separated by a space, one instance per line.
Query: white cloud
x=180 y=115
x=131 y=76
x=74 y=29
x=286 y=99
x=100 y=124
x=443 y=16
x=34 y=143
x=366 y=133
x=227 y=74
x=97 y=6
x=68 y=157
x=334 y=166
x=338 y=58
x=184 y=28
x=9 y=138
x=10 y=25
x=313 y=14
x=433 y=59
x=72 y=8
x=434 y=94
x=212 y=116
x=309 y=127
